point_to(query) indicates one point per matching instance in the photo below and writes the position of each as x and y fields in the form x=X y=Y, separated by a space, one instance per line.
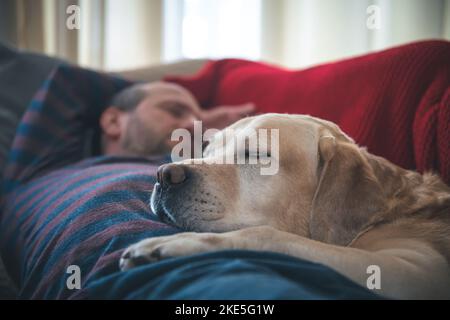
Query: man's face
x=149 y=127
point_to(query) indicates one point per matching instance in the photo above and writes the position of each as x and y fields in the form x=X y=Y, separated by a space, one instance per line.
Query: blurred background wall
x=117 y=34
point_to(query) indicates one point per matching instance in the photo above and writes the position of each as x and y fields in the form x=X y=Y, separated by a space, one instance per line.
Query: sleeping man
x=141 y=119
x=67 y=214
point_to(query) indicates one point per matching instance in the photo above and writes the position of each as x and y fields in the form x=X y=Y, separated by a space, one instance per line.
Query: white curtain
x=119 y=34
x=316 y=31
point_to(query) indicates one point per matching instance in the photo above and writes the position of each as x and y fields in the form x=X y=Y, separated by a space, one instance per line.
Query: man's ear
x=347 y=194
x=111 y=122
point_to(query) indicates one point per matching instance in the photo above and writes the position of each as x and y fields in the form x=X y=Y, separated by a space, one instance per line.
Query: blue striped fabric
x=60 y=210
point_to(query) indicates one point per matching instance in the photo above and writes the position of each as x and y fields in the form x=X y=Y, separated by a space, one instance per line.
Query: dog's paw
x=155 y=249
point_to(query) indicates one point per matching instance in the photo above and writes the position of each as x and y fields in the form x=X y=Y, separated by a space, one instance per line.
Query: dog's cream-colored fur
x=332 y=202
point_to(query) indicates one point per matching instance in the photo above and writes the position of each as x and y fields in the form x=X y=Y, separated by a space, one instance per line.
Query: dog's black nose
x=171 y=174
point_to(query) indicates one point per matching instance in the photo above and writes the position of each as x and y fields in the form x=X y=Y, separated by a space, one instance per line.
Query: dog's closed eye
x=254 y=154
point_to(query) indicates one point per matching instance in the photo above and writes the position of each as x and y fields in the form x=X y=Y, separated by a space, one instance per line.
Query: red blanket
x=395 y=102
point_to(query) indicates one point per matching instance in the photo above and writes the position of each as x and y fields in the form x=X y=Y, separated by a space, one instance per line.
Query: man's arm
x=54 y=129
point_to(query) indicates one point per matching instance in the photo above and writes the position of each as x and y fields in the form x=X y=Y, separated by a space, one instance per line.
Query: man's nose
x=170 y=174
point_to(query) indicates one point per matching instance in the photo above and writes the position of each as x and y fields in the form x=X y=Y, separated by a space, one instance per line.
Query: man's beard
x=141 y=140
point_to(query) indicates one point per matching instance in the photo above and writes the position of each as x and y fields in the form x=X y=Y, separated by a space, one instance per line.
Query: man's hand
x=223 y=116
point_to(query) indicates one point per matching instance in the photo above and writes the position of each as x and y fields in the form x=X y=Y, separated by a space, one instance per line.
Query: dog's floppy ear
x=347 y=194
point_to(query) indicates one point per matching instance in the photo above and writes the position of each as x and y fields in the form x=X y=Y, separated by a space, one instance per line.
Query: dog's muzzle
x=170 y=177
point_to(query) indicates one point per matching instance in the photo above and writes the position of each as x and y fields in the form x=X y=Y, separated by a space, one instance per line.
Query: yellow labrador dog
x=331 y=202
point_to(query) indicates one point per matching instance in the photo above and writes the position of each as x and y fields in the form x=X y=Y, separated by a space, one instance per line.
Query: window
x=212 y=29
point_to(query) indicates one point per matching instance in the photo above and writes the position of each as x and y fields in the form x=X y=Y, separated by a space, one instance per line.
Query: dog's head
x=324 y=187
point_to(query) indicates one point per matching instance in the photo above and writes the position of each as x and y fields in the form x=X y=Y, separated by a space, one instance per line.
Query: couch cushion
x=21 y=74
